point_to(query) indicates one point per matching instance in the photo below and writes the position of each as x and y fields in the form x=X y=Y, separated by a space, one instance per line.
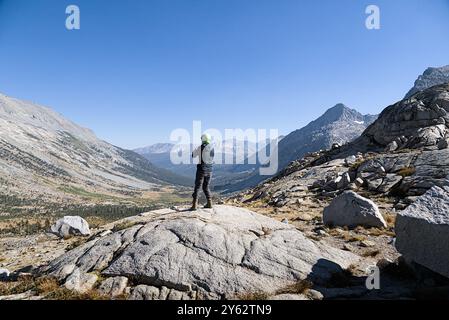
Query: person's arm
x=196 y=152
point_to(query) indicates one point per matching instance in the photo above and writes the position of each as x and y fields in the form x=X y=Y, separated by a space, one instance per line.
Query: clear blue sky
x=138 y=69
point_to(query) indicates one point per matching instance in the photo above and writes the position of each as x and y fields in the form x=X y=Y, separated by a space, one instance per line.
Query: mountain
x=431 y=77
x=338 y=124
x=45 y=158
x=159 y=155
x=157 y=148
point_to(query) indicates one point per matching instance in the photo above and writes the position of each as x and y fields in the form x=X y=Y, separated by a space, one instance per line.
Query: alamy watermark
x=372 y=22
x=265 y=142
x=372 y=281
x=73 y=19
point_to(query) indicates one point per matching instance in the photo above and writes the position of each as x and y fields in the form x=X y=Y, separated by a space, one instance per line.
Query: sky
x=138 y=69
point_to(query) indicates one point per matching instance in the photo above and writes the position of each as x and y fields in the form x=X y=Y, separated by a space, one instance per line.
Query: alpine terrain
x=48 y=163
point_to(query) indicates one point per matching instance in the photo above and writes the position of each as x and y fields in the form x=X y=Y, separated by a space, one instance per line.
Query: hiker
x=206 y=153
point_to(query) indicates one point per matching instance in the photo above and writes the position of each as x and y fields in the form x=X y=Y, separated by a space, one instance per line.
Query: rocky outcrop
x=422 y=231
x=351 y=210
x=69 y=226
x=416 y=122
x=209 y=254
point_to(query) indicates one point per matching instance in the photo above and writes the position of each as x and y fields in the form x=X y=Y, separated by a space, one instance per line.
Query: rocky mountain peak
x=431 y=77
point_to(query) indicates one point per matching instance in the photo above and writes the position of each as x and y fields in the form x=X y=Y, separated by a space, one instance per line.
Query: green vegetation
x=83 y=193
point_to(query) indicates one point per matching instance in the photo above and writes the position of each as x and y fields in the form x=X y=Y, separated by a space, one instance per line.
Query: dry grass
x=254 y=296
x=49 y=288
x=124 y=225
x=379 y=232
x=21 y=286
x=390 y=219
x=353 y=237
x=65 y=294
x=406 y=172
x=371 y=253
x=301 y=286
x=76 y=243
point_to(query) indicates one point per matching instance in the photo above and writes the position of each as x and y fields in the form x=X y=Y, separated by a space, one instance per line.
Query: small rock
x=383 y=263
x=351 y=160
x=144 y=292
x=359 y=182
x=285 y=221
x=314 y=294
x=70 y=226
x=175 y=295
x=367 y=243
x=114 y=286
x=105 y=233
x=343 y=181
x=392 y=146
x=80 y=281
x=336 y=146
x=443 y=144
x=4 y=274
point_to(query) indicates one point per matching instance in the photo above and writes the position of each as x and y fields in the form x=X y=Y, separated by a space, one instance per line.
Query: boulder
x=343 y=181
x=71 y=226
x=80 y=281
x=114 y=286
x=352 y=210
x=392 y=146
x=211 y=254
x=443 y=143
x=4 y=274
x=351 y=160
x=422 y=231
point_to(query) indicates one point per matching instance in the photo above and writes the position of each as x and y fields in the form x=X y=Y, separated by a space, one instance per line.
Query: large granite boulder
x=352 y=210
x=208 y=254
x=422 y=230
x=71 y=226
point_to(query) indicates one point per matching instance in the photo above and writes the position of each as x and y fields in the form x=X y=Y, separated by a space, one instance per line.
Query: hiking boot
x=209 y=204
x=194 y=205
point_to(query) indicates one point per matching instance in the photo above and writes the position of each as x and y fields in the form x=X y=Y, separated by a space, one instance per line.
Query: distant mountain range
x=338 y=124
x=431 y=77
x=45 y=157
x=159 y=155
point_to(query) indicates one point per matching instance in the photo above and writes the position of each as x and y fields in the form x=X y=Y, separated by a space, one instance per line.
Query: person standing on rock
x=206 y=153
